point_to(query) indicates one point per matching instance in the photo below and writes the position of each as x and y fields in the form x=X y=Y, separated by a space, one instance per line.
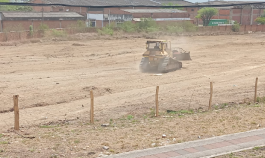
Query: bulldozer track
x=169 y=64
x=144 y=64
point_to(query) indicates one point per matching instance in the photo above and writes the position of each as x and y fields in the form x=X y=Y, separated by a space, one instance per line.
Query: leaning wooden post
x=16 y=112
x=157 y=90
x=256 y=89
x=92 y=107
x=211 y=96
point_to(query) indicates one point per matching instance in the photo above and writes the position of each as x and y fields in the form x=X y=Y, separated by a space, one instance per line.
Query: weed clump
x=106 y=31
x=129 y=117
x=261 y=99
x=180 y=112
x=235 y=27
x=58 y=33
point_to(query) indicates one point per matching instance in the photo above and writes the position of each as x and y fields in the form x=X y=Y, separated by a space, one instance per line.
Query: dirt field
x=53 y=78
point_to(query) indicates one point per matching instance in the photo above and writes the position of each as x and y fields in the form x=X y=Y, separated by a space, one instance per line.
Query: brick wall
x=24 y=25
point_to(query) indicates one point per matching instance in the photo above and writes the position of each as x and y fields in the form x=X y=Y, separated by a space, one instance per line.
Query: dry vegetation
x=53 y=79
x=77 y=138
x=256 y=152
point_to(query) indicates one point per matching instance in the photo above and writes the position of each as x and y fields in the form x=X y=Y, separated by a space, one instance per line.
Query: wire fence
x=165 y=99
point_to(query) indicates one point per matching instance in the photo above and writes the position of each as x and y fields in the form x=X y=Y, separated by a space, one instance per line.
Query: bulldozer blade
x=182 y=56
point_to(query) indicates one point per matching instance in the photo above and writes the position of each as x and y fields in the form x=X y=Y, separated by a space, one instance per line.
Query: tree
x=261 y=19
x=206 y=15
x=14 y=7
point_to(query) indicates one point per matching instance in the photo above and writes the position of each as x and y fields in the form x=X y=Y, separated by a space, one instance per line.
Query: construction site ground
x=53 y=79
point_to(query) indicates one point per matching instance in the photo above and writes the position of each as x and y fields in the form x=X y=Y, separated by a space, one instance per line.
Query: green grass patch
x=222 y=106
x=256 y=148
x=46 y=126
x=180 y=112
x=4 y=142
x=129 y=117
x=77 y=141
x=261 y=99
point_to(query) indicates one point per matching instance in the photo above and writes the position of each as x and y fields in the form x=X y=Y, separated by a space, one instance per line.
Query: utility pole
x=42 y=14
x=109 y=17
x=251 y=15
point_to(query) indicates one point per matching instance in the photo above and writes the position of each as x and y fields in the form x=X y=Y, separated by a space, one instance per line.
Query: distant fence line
x=23 y=35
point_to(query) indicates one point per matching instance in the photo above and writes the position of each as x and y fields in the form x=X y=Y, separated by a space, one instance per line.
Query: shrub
x=147 y=24
x=43 y=27
x=106 y=31
x=31 y=30
x=260 y=20
x=235 y=27
x=188 y=26
x=128 y=26
x=179 y=27
x=81 y=26
x=261 y=99
x=152 y=29
x=58 y=33
x=174 y=29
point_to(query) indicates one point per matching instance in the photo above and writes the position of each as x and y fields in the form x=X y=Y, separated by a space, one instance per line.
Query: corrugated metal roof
x=179 y=2
x=154 y=11
x=39 y=14
x=103 y=2
x=164 y=19
x=226 y=2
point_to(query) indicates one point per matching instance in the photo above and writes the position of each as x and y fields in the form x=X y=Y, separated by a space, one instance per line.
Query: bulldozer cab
x=159 y=45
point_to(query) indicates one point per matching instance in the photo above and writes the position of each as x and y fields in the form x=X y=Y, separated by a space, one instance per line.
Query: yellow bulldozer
x=160 y=57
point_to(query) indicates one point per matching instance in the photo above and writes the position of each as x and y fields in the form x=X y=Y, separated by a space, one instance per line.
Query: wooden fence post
x=92 y=107
x=256 y=88
x=211 y=96
x=157 y=90
x=16 y=112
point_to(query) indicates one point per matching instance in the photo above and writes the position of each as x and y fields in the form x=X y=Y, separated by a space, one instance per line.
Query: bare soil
x=53 y=80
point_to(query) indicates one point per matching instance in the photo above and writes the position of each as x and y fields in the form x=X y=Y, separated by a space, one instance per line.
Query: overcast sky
x=226 y=0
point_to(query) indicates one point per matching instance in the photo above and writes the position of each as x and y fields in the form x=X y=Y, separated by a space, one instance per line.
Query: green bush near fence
x=79 y=26
x=180 y=27
x=174 y=29
x=106 y=31
x=235 y=27
x=31 y=30
x=147 y=25
x=43 y=27
x=128 y=26
x=58 y=33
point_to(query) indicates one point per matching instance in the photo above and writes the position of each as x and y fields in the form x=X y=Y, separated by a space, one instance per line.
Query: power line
x=140 y=6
